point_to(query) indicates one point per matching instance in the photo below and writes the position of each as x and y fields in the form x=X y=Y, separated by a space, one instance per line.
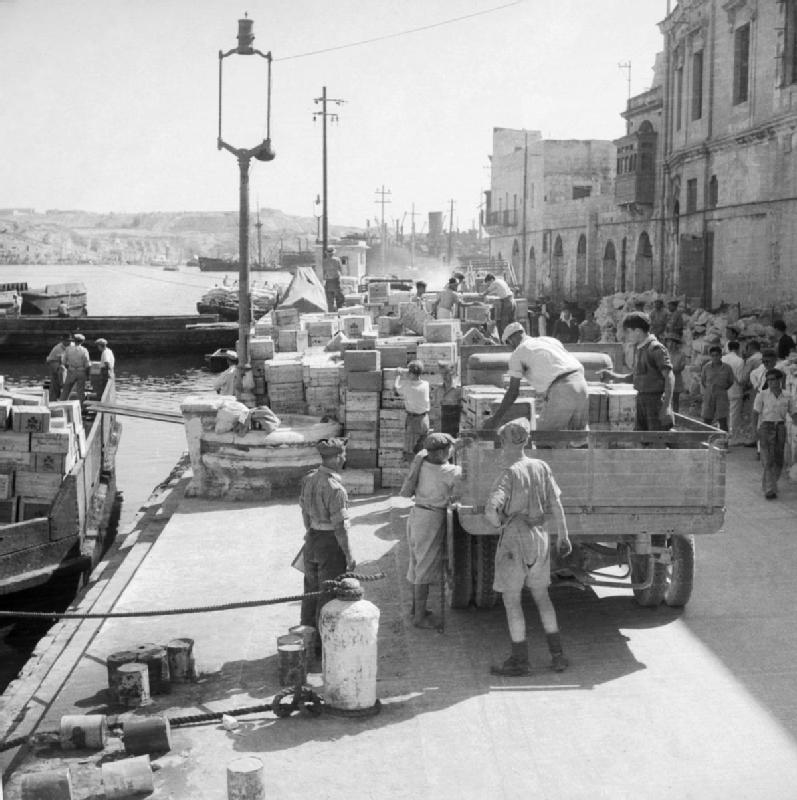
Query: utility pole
x=334 y=117
x=450 y=231
x=525 y=197
x=383 y=231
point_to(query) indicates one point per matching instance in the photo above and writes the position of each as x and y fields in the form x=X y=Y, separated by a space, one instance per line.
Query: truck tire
x=483 y=549
x=681 y=571
x=640 y=564
x=459 y=575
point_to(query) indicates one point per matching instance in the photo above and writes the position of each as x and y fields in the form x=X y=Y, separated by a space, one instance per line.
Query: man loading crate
x=553 y=373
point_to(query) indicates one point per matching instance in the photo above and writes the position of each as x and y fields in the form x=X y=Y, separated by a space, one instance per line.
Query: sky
x=112 y=105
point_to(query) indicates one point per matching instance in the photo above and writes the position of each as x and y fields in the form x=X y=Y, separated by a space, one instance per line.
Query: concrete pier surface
x=657 y=703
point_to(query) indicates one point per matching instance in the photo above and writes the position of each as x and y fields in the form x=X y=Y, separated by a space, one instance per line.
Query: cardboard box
x=261 y=348
x=30 y=419
x=364 y=381
x=361 y=360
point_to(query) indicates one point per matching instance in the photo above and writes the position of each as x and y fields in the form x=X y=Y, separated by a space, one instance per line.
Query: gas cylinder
x=349 y=627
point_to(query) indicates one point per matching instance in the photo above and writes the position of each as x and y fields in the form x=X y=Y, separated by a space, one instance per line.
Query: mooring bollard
x=147 y=735
x=309 y=636
x=83 y=731
x=133 y=687
x=245 y=779
x=182 y=668
x=130 y=777
x=51 y=784
x=292 y=666
x=157 y=660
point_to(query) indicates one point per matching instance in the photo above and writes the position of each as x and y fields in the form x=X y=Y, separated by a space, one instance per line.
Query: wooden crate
x=261 y=348
x=32 y=507
x=361 y=481
x=41 y=486
x=55 y=441
x=292 y=341
x=378 y=292
x=264 y=328
x=388 y=326
x=364 y=381
x=6 y=404
x=60 y=463
x=30 y=419
x=361 y=361
x=286 y=391
x=355 y=325
x=389 y=399
x=362 y=439
x=284 y=372
x=362 y=401
x=621 y=406
x=392 y=478
x=357 y=458
x=444 y=330
x=285 y=318
x=6 y=483
x=430 y=354
x=9 y=511
x=325 y=328
x=13 y=442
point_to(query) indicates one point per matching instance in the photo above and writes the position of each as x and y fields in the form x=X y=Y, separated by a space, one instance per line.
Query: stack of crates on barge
x=285 y=385
x=39 y=445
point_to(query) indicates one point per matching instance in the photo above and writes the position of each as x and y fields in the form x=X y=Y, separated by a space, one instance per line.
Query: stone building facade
x=730 y=170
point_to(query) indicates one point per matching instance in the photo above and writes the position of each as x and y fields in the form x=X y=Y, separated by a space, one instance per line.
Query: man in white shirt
x=107 y=357
x=225 y=382
x=771 y=409
x=736 y=393
x=555 y=374
x=505 y=305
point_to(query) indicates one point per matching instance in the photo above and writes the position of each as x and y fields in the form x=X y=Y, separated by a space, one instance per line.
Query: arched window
x=609 y=275
x=643 y=273
x=558 y=271
x=581 y=268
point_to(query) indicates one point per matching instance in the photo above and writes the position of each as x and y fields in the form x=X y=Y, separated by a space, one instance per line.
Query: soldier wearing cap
x=553 y=372
x=77 y=363
x=523 y=498
x=225 y=381
x=55 y=366
x=332 y=268
x=325 y=512
x=107 y=358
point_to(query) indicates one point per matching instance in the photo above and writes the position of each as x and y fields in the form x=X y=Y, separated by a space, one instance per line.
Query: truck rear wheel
x=641 y=565
x=484 y=548
x=459 y=576
x=681 y=570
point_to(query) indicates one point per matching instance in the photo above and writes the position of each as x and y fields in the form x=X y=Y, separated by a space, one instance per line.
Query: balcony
x=500 y=220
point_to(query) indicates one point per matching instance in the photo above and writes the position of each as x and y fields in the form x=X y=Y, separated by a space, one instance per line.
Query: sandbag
x=232 y=416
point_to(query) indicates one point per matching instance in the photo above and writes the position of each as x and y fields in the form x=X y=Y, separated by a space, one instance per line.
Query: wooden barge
x=134 y=336
x=67 y=533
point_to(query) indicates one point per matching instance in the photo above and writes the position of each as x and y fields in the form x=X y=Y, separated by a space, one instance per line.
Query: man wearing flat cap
x=522 y=500
x=553 y=373
x=107 y=358
x=325 y=512
x=77 y=363
x=332 y=268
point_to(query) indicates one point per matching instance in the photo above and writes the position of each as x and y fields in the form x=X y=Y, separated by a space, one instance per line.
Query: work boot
x=558 y=661
x=516 y=665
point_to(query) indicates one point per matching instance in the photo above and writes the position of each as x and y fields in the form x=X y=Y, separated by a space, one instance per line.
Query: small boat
x=57 y=299
x=66 y=528
x=207 y=264
x=171 y=268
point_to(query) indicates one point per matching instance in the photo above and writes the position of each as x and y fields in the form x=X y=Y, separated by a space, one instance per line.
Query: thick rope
x=329 y=586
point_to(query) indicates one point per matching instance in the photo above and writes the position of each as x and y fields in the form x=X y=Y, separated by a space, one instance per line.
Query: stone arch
x=557 y=269
x=581 y=267
x=609 y=271
x=643 y=264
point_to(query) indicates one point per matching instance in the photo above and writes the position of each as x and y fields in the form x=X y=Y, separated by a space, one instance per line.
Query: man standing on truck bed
x=652 y=375
x=522 y=498
x=553 y=373
x=332 y=268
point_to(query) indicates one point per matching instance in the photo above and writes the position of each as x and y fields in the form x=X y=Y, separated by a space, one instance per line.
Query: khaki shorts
x=529 y=565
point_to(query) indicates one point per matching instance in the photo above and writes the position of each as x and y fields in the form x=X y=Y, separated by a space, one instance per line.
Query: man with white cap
x=555 y=374
x=107 y=358
x=77 y=363
x=224 y=383
x=523 y=498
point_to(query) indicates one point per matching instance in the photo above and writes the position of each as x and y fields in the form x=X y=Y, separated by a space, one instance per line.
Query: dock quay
x=691 y=683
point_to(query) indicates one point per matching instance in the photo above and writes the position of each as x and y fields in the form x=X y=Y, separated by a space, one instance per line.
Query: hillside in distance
x=59 y=236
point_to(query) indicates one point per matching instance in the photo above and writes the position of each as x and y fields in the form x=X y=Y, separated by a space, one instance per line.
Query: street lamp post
x=262 y=152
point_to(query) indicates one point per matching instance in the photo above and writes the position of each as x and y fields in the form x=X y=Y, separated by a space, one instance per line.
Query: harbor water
x=148 y=450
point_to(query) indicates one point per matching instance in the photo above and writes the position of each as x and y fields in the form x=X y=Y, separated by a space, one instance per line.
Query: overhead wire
x=397 y=34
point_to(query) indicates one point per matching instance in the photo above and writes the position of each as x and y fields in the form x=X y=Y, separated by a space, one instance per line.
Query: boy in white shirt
x=415 y=392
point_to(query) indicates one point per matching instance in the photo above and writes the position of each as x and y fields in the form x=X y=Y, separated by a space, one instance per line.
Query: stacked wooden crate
x=480 y=401
x=261 y=350
x=285 y=385
x=321 y=376
x=388 y=397
x=392 y=422
x=431 y=355
x=38 y=450
x=363 y=377
x=355 y=325
x=321 y=331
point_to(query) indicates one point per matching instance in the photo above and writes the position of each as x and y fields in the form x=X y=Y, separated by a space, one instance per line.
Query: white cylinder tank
x=349 y=629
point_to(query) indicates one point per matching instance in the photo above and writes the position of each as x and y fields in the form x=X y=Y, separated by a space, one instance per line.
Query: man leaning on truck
x=523 y=497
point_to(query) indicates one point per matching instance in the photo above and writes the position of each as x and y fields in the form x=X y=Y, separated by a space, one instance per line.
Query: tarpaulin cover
x=305 y=292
